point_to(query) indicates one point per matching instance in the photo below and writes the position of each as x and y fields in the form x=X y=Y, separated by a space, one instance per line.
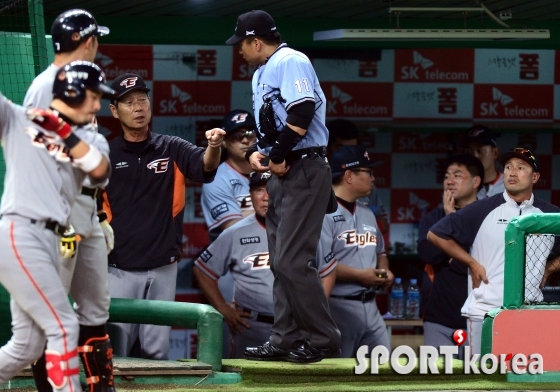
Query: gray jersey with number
x=354 y=240
x=225 y=198
x=243 y=249
x=41 y=178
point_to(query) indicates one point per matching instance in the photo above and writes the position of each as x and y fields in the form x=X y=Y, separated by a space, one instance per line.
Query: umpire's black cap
x=128 y=82
x=258 y=178
x=348 y=158
x=238 y=119
x=252 y=23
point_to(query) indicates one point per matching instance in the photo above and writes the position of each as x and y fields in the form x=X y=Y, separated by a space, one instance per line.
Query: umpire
x=290 y=107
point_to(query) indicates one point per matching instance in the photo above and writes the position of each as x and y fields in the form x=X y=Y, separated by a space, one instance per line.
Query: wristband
x=90 y=160
x=287 y=139
x=71 y=141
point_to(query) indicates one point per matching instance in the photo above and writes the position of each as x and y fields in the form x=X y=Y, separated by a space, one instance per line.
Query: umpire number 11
x=301 y=82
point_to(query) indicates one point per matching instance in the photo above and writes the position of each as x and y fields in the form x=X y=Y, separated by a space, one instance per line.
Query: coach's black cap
x=252 y=23
x=257 y=178
x=523 y=154
x=479 y=134
x=128 y=82
x=238 y=119
x=349 y=158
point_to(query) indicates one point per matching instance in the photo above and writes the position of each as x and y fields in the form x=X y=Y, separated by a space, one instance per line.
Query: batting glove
x=68 y=243
x=51 y=122
x=107 y=231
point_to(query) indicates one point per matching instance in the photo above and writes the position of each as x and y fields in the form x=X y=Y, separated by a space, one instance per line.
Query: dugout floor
x=133 y=374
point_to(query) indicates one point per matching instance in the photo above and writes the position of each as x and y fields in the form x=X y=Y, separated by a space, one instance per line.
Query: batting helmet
x=72 y=27
x=75 y=78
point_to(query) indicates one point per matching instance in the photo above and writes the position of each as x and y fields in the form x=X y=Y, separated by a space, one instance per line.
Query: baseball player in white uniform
x=351 y=235
x=45 y=170
x=84 y=274
x=243 y=249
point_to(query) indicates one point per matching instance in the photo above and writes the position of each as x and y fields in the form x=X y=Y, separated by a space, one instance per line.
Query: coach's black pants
x=297 y=205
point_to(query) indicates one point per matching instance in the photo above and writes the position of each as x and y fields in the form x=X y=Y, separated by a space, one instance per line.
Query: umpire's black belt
x=90 y=192
x=310 y=152
x=364 y=296
x=263 y=318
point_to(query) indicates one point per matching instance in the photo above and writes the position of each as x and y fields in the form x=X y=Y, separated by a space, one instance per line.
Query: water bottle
x=397 y=299
x=413 y=300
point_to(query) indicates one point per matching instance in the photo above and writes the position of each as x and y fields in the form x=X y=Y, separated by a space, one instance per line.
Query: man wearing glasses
x=480 y=227
x=145 y=203
x=351 y=236
x=226 y=200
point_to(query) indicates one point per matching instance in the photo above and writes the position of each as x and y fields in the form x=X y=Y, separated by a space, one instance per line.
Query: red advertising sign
x=410 y=205
x=374 y=100
x=195 y=239
x=241 y=70
x=109 y=127
x=434 y=65
x=180 y=98
x=422 y=142
x=513 y=102
x=116 y=60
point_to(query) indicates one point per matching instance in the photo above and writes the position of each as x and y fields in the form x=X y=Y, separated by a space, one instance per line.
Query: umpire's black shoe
x=266 y=352
x=307 y=354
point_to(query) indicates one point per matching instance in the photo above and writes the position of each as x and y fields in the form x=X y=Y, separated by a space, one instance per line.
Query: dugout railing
x=528 y=320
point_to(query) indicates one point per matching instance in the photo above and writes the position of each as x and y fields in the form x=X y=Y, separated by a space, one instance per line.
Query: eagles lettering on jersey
x=250 y=240
x=352 y=238
x=258 y=260
x=159 y=165
x=52 y=143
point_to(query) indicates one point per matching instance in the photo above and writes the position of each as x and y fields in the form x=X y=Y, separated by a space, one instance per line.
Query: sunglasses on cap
x=526 y=153
x=239 y=136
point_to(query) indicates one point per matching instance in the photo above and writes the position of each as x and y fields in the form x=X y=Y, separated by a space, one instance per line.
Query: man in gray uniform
x=45 y=170
x=291 y=108
x=243 y=249
x=351 y=235
x=85 y=274
x=226 y=200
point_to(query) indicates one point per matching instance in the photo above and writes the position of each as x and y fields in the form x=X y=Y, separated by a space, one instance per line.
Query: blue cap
x=348 y=158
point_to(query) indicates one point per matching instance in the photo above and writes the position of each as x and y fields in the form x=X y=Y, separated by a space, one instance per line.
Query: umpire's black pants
x=297 y=206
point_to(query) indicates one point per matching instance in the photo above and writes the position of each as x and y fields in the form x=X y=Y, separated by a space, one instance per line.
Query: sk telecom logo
x=417 y=58
x=103 y=59
x=176 y=92
x=491 y=108
x=528 y=66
